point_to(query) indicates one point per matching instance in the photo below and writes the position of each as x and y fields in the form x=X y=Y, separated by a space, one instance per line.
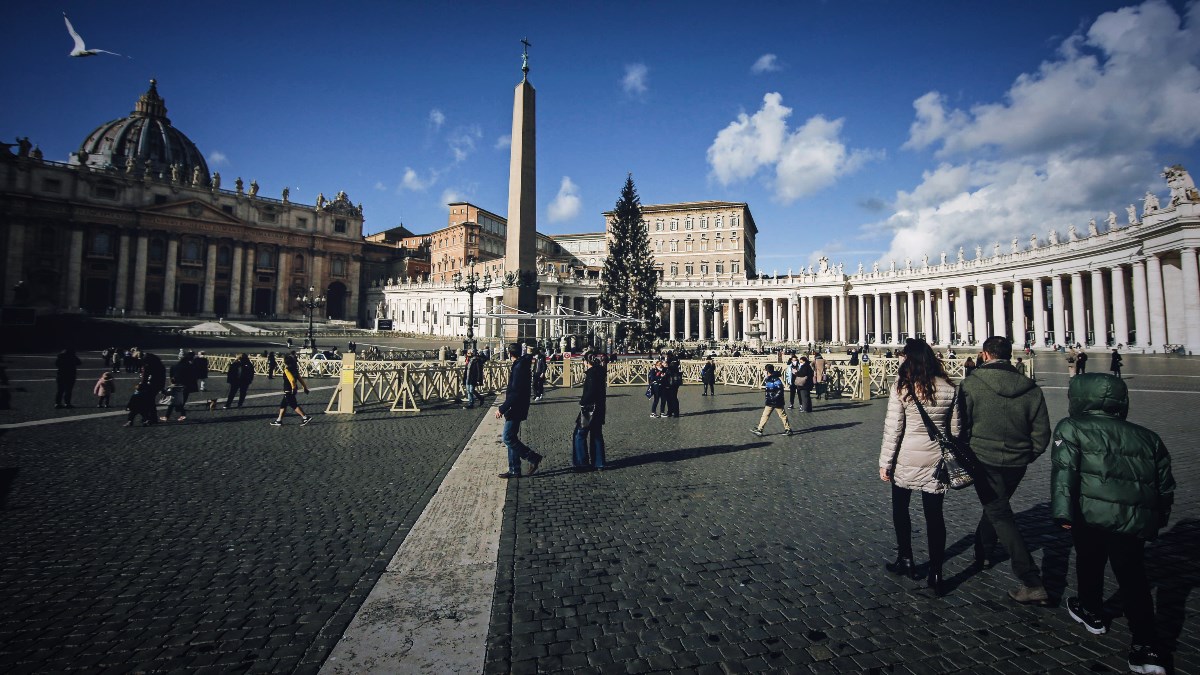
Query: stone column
x=961 y=312
x=520 y=247
x=283 y=303
x=1099 y=310
x=235 y=281
x=877 y=302
x=1191 y=295
x=811 y=326
x=687 y=319
x=792 y=332
x=894 y=317
x=1141 y=304
x=74 y=271
x=1059 y=311
x=944 y=336
x=862 y=318
x=671 y=319
x=1018 y=313
x=122 y=293
x=354 y=271
x=839 y=317
x=140 y=261
x=1120 y=308
x=910 y=313
x=250 y=278
x=701 y=324
x=980 y=316
x=14 y=266
x=1078 y=314
x=169 y=278
x=998 y=319
x=1039 y=313
x=210 y=278
x=1158 y=310
x=927 y=316
x=745 y=317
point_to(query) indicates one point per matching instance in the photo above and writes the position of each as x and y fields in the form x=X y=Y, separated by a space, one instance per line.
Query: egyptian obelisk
x=520 y=248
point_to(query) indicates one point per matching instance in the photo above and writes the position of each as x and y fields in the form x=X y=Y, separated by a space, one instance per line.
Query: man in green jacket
x=1004 y=420
x=1111 y=486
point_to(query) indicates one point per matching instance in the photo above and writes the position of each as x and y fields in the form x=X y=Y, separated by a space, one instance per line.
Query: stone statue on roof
x=1015 y=247
x=907 y=264
x=320 y=200
x=1053 y=236
x=287 y=192
x=1180 y=181
x=23 y=146
x=253 y=188
x=238 y=185
x=174 y=173
x=875 y=267
x=961 y=257
x=1111 y=221
x=1149 y=203
x=995 y=249
x=196 y=176
x=1092 y=229
x=1131 y=211
x=1033 y=241
x=978 y=252
x=216 y=180
x=925 y=260
x=824 y=263
x=943 y=257
x=860 y=269
x=1072 y=233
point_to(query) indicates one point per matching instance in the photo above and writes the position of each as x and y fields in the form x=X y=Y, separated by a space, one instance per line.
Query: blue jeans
x=517 y=450
x=597 y=446
x=470 y=395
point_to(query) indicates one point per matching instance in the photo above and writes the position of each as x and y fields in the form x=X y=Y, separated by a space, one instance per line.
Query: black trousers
x=1093 y=549
x=710 y=387
x=793 y=395
x=935 y=524
x=673 y=401
x=658 y=402
x=240 y=390
x=999 y=525
x=62 y=396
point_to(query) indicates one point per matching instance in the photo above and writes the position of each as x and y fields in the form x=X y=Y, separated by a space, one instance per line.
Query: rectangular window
x=703 y=244
x=704 y=223
x=267 y=217
x=703 y=268
x=339 y=225
x=720 y=268
x=658 y=226
x=104 y=192
x=160 y=199
x=687 y=246
x=227 y=208
x=674 y=270
x=302 y=223
x=674 y=224
x=51 y=185
x=674 y=247
x=733 y=267
x=687 y=224
x=688 y=269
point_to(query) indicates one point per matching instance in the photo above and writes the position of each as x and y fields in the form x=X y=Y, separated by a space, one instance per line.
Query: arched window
x=298 y=263
x=265 y=259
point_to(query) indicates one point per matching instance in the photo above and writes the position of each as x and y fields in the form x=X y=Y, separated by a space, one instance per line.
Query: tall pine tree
x=630 y=282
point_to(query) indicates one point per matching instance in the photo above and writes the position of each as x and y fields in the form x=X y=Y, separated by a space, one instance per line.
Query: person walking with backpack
x=1116 y=363
x=909 y=457
x=1111 y=486
x=239 y=377
x=1006 y=424
x=708 y=377
x=773 y=386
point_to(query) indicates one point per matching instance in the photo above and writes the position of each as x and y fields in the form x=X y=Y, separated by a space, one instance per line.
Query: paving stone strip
x=429 y=612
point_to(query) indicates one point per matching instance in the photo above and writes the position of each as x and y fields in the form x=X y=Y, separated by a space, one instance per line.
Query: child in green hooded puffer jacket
x=1111 y=486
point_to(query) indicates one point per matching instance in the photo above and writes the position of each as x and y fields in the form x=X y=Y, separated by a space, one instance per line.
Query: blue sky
x=863 y=131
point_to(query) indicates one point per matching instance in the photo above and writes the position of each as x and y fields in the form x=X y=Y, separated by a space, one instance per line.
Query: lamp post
x=310 y=303
x=471 y=284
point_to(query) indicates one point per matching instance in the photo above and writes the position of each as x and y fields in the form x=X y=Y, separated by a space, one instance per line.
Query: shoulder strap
x=930 y=427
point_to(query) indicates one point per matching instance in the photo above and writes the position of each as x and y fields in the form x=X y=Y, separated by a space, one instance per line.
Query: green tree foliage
x=630 y=282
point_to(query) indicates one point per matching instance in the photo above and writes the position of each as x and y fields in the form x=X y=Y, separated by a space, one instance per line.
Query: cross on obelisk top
x=525 y=58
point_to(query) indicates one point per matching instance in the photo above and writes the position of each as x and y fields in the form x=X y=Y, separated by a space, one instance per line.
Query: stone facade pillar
x=235 y=282
x=862 y=319
x=839 y=317
x=701 y=323
x=944 y=337
x=1078 y=313
x=877 y=327
x=927 y=316
x=283 y=303
x=745 y=318
x=671 y=319
x=14 y=265
x=1158 y=310
x=962 y=311
x=1191 y=295
x=1120 y=307
x=1018 y=312
x=999 y=323
x=687 y=319
x=1059 y=312
x=811 y=316
x=210 y=278
x=74 y=271
x=120 y=297
x=1141 y=304
x=356 y=284
x=1039 y=313
x=140 y=261
x=168 y=298
x=894 y=317
x=250 y=278
x=910 y=313
x=980 y=316
x=1099 y=310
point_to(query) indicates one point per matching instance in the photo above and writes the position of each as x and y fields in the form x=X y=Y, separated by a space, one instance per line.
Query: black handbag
x=586 y=414
x=952 y=469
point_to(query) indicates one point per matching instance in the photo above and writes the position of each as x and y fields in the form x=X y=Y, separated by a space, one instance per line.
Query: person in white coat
x=909 y=457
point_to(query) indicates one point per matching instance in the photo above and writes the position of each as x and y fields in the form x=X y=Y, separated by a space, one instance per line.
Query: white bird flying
x=81 y=49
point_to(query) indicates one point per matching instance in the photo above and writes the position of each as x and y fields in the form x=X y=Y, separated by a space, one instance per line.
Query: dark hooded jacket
x=1106 y=472
x=516 y=395
x=1004 y=417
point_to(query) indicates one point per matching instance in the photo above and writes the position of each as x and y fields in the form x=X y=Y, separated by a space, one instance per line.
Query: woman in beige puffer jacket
x=909 y=458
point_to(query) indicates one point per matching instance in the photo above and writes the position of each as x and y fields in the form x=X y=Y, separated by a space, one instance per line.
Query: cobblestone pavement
x=216 y=545
x=706 y=549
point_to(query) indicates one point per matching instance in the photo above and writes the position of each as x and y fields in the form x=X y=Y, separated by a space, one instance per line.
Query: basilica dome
x=147 y=138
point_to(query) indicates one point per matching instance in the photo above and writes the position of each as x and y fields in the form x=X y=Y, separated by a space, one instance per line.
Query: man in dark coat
x=1005 y=423
x=239 y=377
x=183 y=384
x=1111 y=486
x=674 y=381
x=144 y=401
x=200 y=363
x=515 y=410
x=708 y=377
x=595 y=384
x=67 y=367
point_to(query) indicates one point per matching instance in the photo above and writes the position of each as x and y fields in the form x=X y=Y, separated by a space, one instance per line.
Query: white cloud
x=379 y=185
x=462 y=142
x=767 y=63
x=218 y=158
x=566 y=204
x=805 y=160
x=436 y=118
x=1071 y=141
x=634 y=82
x=504 y=142
x=451 y=195
x=411 y=180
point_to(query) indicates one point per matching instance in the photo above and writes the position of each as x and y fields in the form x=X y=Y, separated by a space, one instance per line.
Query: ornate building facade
x=1134 y=284
x=135 y=225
